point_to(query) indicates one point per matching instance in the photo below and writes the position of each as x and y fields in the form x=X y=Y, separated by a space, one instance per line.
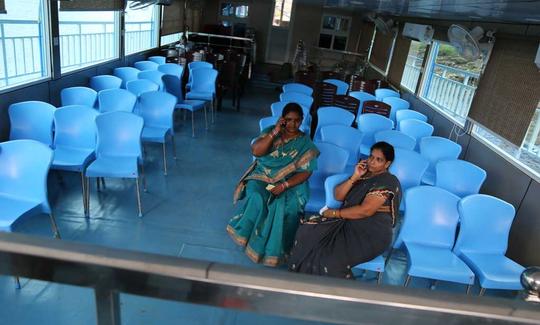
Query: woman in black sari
x=357 y=232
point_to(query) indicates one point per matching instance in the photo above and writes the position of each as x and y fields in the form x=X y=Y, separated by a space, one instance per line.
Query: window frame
x=334 y=32
x=156 y=22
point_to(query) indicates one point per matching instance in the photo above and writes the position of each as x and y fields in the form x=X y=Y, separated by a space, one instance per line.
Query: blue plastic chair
x=118 y=150
x=459 y=177
x=139 y=86
x=102 y=82
x=172 y=69
x=203 y=86
x=409 y=114
x=32 y=120
x=277 y=109
x=362 y=96
x=332 y=160
x=396 y=138
x=342 y=87
x=369 y=124
x=267 y=121
x=428 y=232
x=24 y=165
x=145 y=65
x=126 y=74
x=416 y=129
x=345 y=137
x=158 y=59
x=157 y=108
x=295 y=87
x=74 y=140
x=78 y=96
x=396 y=104
x=382 y=93
x=435 y=149
x=331 y=115
x=299 y=98
x=173 y=86
x=154 y=76
x=116 y=100
x=483 y=240
x=196 y=65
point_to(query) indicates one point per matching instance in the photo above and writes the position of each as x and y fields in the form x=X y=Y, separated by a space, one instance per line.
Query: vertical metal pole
x=3 y=37
x=107 y=306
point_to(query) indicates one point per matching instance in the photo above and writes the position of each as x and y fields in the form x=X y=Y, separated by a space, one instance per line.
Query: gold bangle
x=334 y=213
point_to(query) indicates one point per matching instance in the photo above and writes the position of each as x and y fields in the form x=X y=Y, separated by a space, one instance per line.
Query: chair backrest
x=146 y=65
x=332 y=115
x=140 y=86
x=24 y=165
x=154 y=76
x=103 y=82
x=158 y=59
x=172 y=69
x=396 y=138
x=485 y=223
x=409 y=114
x=116 y=100
x=349 y=103
x=267 y=121
x=382 y=93
x=329 y=186
x=326 y=92
x=362 y=97
x=299 y=98
x=31 y=120
x=437 y=148
x=416 y=129
x=156 y=108
x=297 y=88
x=199 y=64
x=204 y=80
x=126 y=74
x=342 y=86
x=173 y=85
x=409 y=167
x=332 y=160
x=396 y=104
x=431 y=217
x=75 y=127
x=119 y=135
x=370 y=123
x=331 y=75
x=345 y=137
x=459 y=177
x=78 y=96
x=376 y=107
x=307 y=78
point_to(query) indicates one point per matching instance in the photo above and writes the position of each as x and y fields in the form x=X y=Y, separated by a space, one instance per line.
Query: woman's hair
x=292 y=107
x=386 y=149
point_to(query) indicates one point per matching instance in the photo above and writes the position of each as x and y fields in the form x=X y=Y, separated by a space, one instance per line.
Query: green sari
x=266 y=224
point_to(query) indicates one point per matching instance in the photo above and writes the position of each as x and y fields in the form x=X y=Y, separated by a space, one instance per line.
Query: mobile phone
x=283 y=124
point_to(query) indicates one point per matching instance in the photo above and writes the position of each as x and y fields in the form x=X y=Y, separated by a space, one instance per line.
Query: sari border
x=255 y=257
x=241 y=241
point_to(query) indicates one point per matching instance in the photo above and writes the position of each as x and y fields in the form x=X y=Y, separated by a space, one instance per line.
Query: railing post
x=3 y=35
x=107 y=306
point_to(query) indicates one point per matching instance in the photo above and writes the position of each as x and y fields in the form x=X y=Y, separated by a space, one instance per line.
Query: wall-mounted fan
x=466 y=42
x=383 y=26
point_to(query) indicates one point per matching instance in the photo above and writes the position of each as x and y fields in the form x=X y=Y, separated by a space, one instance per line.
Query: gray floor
x=185 y=214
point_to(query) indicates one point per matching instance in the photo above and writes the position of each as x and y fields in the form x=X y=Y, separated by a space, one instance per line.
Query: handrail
x=222 y=36
x=111 y=271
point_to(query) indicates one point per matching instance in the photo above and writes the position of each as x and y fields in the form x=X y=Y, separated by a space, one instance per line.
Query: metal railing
x=530 y=144
x=112 y=271
x=411 y=72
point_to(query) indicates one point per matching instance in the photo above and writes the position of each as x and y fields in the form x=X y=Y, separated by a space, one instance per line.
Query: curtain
x=399 y=58
x=380 y=52
x=173 y=21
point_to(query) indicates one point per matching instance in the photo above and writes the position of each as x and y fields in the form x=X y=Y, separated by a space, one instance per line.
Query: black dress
x=330 y=246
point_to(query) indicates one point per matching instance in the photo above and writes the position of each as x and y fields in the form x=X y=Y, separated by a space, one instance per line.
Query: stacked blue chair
x=116 y=100
x=172 y=69
x=416 y=129
x=78 y=96
x=297 y=88
x=428 y=232
x=118 y=150
x=203 y=86
x=74 y=141
x=369 y=124
x=145 y=65
x=102 y=82
x=331 y=115
x=158 y=59
x=154 y=76
x=332 y=160
x=396 y=104
x=277 y=109
x=342 y=87
x=139 y=86
x=345 y=137
x=32 y=120
x=267 y=121
x=483 y=239
x=459 y=177
x=157 y=108
x=362 y=96
x=396 y=138
x=196 y=65
x=382 y=93
x=126 y=74
x=409 y=114
x=299 y=98
x=173 y=86
x=435 y=149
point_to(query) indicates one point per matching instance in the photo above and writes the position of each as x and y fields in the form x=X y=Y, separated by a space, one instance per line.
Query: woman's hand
x=279 y=126
x=278 y=189
x=359 y=170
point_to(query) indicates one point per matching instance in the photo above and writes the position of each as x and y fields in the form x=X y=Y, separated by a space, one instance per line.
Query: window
x=334 y=32
x=451 y=81
x=234 y=10
x=413 y=65
x=282 y=13
x=87 y=38
x=169 y=39
x=141 y=29
x=24 y=55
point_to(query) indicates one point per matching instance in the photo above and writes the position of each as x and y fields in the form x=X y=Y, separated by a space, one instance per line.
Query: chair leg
x=482 y=291
x=407 y=280
x=164 y=158
x=212 y=109
x=83 y=186
x=379 y=277
x=138 y=197
x=98 y=184
x=192 y=125
x=54 y=226
x=103 y=183
x=143 y=178
x=87 y=182
x=205 y=119
x=173 y=146
x=468 y=289
x=17 y=283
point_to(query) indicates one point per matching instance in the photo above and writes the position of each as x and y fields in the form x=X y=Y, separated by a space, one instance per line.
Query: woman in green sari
x=275 y=189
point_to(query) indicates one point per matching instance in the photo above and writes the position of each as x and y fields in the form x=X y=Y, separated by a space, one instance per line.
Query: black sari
x=330 y=246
